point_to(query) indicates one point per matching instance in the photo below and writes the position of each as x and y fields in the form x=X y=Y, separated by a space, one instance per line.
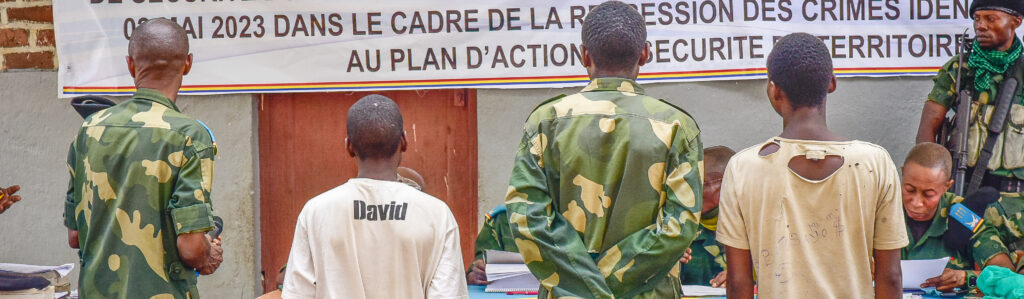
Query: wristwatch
x=971 y=279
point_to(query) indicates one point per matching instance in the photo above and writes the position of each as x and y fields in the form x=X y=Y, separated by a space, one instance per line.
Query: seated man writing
x=494 y=235
x=707 y=263
x=933 y=233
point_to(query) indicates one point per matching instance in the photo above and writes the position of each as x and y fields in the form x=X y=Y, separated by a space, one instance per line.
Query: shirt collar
x=156 y=96
x=614 y=84
x=939 y=221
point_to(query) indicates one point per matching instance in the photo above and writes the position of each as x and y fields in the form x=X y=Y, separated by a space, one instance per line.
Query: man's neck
x=808 y=124
x=612 y=74
x=378 y=169
x=1006 y=47
x=168 y=89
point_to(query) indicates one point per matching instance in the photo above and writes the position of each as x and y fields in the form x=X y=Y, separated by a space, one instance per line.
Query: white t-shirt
x=375 y=239
x=808 y=238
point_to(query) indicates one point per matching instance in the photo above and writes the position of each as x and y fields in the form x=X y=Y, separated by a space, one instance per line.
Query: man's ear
x=775 y=96
x=188 y=64
x=348 y=147
x=405 y=144
x=587 y=62
x=772 y=90
x=832 y=84
x=949 y=184
x=646 y=53
x=1016 y=21
x=131 y=65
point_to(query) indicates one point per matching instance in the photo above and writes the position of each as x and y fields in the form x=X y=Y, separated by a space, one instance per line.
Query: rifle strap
x=1007 y=93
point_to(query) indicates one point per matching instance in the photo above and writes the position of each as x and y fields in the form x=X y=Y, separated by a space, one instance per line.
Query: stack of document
x=507 y=272
x=702 y=291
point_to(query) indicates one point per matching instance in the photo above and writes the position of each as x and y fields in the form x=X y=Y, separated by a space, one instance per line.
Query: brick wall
x=26 y=35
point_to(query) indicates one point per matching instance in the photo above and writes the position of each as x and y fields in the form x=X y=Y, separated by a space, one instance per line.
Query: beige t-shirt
x=375 y=239
x=812 y=239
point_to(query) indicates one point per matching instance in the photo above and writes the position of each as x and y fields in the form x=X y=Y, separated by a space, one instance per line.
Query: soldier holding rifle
x=982 y=85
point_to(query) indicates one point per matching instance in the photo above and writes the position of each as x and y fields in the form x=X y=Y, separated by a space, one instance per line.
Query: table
x=477 y=292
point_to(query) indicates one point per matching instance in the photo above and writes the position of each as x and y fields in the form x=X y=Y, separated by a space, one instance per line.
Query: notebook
x=507 y=272
x=702 y=291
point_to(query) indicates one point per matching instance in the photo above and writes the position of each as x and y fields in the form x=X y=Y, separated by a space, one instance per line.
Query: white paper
x=503 y=257
x=63 y=270
x=519 y=283
x=915 y=272
x=699 y=291
x=507 y=272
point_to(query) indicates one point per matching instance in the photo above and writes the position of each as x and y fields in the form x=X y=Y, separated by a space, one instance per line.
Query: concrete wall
x=884 y=111
x=35 y=130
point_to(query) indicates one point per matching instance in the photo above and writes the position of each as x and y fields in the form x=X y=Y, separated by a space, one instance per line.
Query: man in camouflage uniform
x=602 y=197
x=138 y=201
x=995 y=50
x=707 y=266
x=1007 y=216
x=933 y=232
x=494 y=235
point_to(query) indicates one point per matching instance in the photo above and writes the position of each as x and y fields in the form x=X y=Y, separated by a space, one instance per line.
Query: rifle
x=960 y=121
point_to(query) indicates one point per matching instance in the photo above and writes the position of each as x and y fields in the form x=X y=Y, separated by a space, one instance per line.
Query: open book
x=507 y=272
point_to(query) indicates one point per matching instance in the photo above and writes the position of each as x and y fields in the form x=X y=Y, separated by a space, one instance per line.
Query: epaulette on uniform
x=495 y=211
x=212 y=139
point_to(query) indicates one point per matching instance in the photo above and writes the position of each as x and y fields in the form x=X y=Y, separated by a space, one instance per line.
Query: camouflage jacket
x=604 y=193
x=708 y=258
x=1008 y=152
x=495 y=234
x=141 y=174
x=1007 y=216
x=985 y=243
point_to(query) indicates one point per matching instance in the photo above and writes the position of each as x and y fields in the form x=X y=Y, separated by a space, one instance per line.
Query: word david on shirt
x=384 y=212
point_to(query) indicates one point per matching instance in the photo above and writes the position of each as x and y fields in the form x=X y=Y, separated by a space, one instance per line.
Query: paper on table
x=63 y=270
x=508 y=272
x=698 y=291
x=499 y=271
x=519 y=283
x=503 y=257
x=915 y=272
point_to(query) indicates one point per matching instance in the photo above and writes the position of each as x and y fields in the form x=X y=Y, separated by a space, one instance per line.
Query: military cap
x=1013 y=7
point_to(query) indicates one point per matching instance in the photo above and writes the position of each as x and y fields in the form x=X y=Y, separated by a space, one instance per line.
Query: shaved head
x=374 y=127
x=158 y=39
x=931 y=155
x=158 y=56
x=716 y=157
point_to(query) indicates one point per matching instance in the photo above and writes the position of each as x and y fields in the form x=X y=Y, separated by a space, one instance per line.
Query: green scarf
x=710 y=219
x=990 y=62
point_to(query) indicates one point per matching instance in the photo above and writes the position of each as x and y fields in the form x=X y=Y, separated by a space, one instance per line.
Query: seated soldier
x=494 y=235
x=1007 y=217
x=707 y=265
x=926 y=177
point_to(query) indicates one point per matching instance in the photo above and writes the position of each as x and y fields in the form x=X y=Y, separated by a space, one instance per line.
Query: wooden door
x=302 y=154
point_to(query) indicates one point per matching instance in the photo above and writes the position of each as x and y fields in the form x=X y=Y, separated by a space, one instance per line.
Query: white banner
x=263 y=46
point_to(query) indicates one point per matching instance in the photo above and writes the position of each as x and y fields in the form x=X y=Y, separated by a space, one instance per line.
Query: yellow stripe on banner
x=679 y=75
